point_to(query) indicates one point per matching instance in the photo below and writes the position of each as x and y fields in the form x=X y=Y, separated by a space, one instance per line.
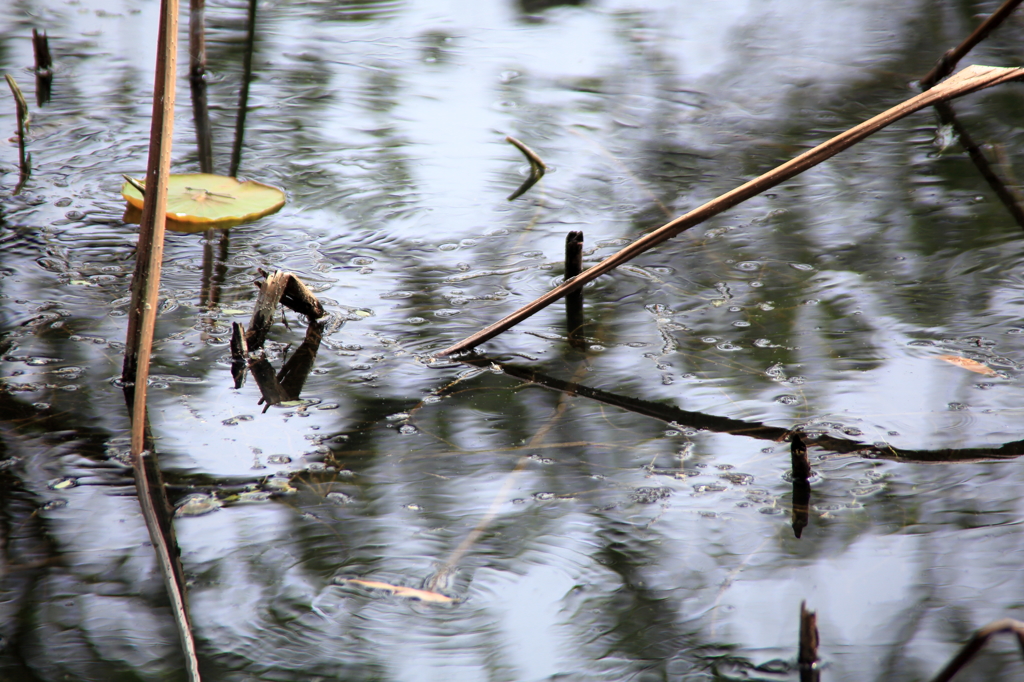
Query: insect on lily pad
x=200 y=201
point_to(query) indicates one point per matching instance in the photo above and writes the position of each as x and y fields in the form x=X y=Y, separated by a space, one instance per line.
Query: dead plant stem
x=971 y=79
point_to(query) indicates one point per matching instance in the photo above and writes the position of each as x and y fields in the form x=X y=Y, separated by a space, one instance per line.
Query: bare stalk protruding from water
x=537 y=168
x=808 y=657
x=44 y=66
x=142 y=317
x=24 y=159
x=574 y=301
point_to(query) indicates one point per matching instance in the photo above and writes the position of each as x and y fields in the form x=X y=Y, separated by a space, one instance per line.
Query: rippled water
x=580 y=512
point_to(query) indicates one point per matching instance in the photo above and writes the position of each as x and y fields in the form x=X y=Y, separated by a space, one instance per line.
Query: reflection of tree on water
x=639 y=112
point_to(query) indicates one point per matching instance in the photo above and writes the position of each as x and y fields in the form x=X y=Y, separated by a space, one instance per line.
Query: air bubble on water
x=407 y=429
x=787 y=399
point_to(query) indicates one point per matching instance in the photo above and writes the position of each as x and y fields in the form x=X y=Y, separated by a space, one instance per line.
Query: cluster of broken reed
x=247 y=345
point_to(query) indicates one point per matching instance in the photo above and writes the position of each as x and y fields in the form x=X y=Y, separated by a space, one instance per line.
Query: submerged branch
x=977 y=642
x=738 y=427
x=971 y=79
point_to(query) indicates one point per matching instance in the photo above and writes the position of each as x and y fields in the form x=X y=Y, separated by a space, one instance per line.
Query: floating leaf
x=399 y=591
x=199 y=201
x=970 y=365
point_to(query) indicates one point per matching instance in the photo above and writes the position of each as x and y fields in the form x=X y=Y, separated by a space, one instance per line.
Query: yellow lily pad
x=200 y=201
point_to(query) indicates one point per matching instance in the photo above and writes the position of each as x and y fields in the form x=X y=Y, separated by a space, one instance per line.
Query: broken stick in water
x=537 y=167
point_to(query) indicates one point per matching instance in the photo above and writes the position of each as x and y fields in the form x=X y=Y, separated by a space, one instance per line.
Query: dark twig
x=574 y=301
x=948 y=61
x=41 y=50
x=537 y=168
x=801 y=473
x=808 y=657
x=243 y=94
x=44 y=66
x=977 y=642
x=798 y=451
x=971 y=79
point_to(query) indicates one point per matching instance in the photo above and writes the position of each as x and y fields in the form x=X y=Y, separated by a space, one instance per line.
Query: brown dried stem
x=971 y=79
x=143 y=308
x=24 y=160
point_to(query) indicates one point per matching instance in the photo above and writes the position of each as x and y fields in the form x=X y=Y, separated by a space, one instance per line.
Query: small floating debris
x=390 y=590
x=969 y=365
x=62 y=483
x=196 y=504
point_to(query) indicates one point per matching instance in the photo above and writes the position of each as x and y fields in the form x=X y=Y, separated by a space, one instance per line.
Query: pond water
x=577 y=506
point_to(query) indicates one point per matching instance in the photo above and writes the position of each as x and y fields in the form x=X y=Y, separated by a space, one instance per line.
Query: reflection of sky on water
x=824 y=304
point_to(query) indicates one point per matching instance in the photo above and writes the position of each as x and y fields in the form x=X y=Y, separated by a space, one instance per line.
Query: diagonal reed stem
x=971 y=79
